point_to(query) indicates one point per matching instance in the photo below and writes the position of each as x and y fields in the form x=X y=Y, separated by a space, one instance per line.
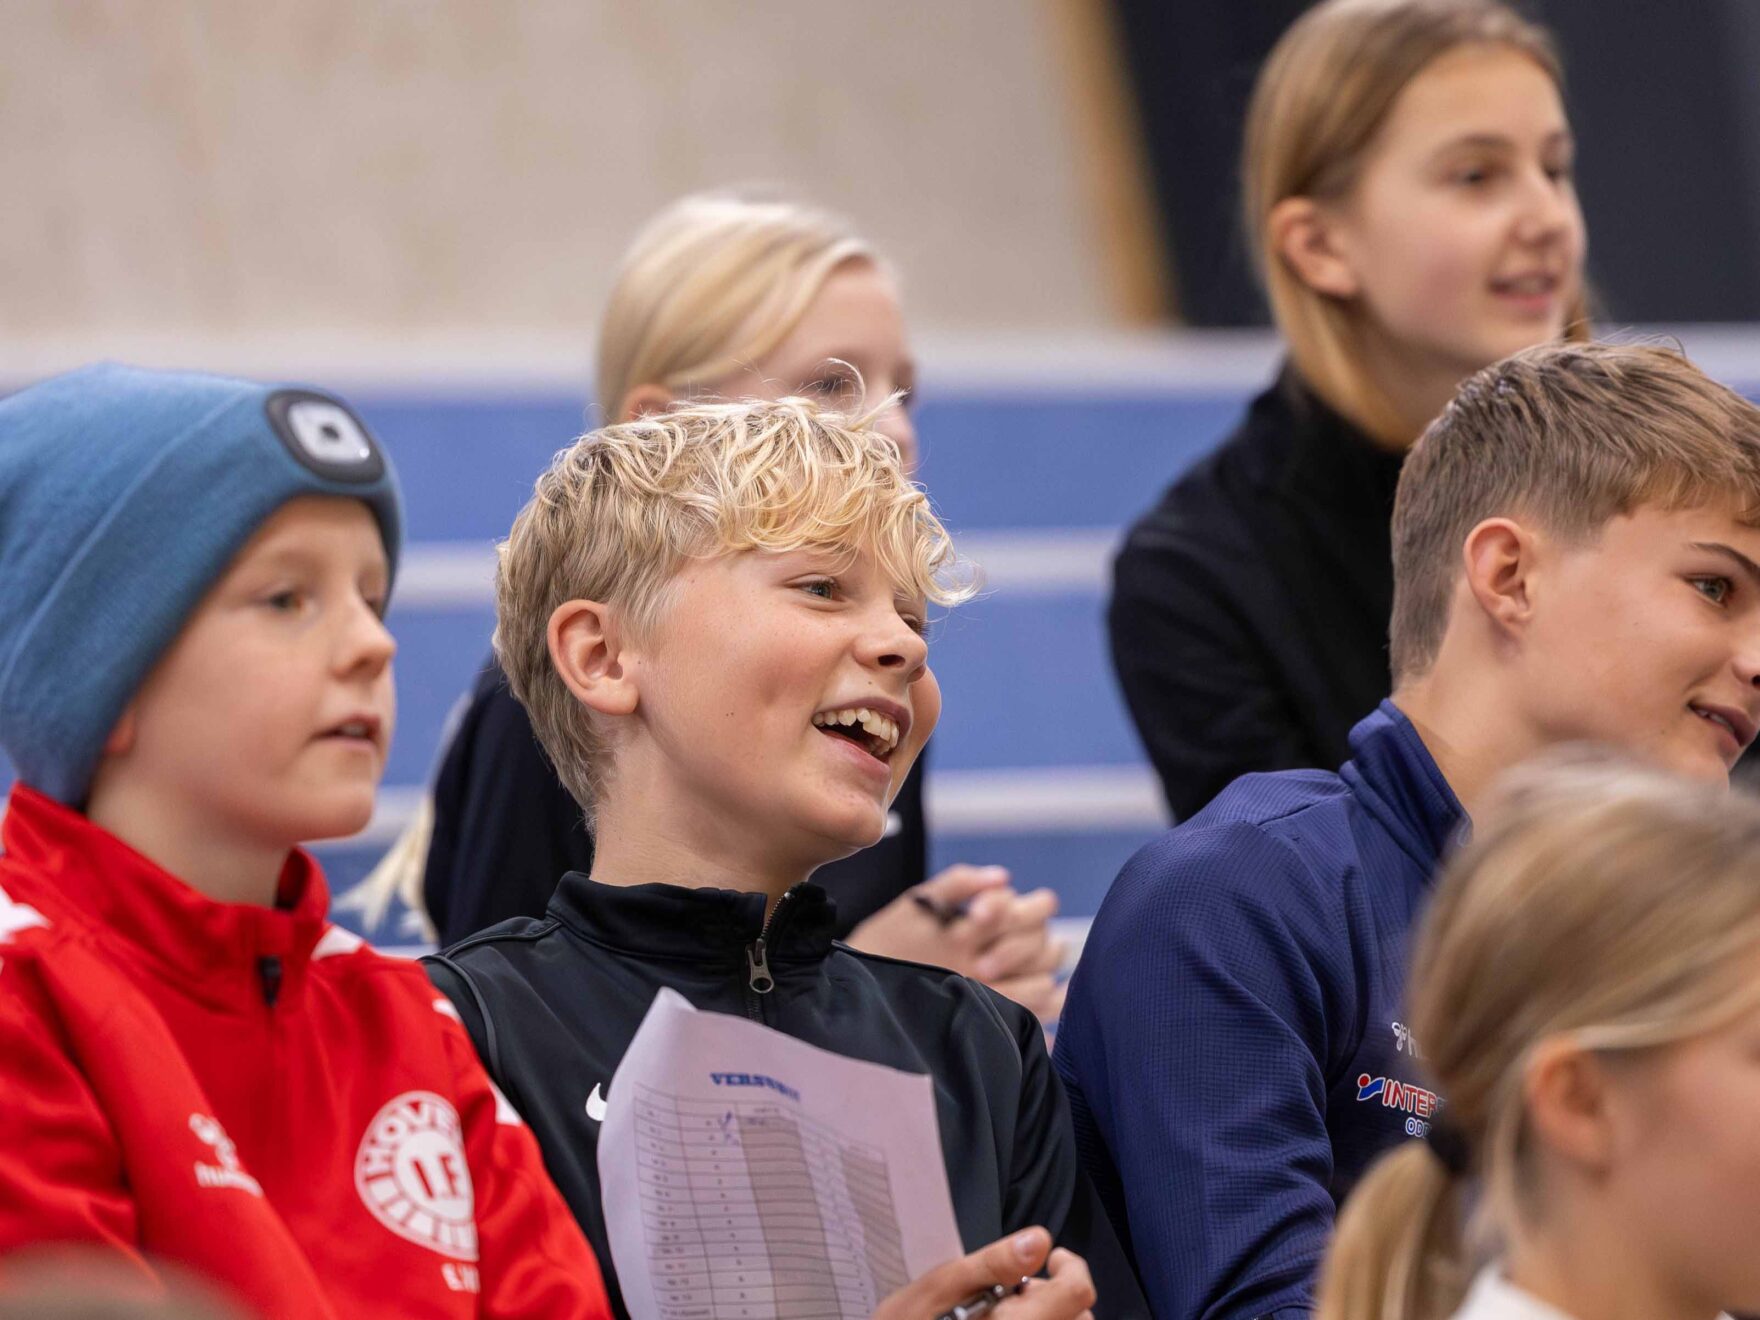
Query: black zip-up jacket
x=553 y=1003
x=1249 y=608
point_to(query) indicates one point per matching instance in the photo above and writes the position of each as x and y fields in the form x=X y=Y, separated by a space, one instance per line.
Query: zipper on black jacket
x=269 y=971
x=759 y=981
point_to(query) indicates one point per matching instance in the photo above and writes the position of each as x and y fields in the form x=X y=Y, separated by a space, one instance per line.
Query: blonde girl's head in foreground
x=1586 y=997
x=737 y=295
x=1406 y=188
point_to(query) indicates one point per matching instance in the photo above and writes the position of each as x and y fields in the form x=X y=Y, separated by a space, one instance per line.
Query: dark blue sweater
x=1233 y=1044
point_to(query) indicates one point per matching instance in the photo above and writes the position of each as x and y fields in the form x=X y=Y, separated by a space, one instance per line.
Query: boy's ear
x=1301 y=231
x=586 y=648
x=645 y=401
x=1566 y=1095
x=121 y=738
x=1499 y=555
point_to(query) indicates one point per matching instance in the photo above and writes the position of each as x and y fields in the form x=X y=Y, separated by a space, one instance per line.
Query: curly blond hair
x=624 y=508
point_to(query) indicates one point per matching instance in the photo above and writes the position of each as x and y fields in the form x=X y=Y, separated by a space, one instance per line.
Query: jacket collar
x=706 y=926
x=1329 y=458
x=72 y=871
x=1393 y=774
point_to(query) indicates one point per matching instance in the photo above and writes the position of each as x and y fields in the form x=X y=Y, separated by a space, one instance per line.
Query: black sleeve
x=505 y=829
x=1194 y=672
x=1048 y=1185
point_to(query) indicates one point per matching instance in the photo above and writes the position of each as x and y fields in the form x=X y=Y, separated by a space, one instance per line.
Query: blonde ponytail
x=1652 y=884
x=1397 y=1253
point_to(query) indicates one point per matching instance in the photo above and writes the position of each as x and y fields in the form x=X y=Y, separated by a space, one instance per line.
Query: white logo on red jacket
x=412 y=1174
x=229 y=1172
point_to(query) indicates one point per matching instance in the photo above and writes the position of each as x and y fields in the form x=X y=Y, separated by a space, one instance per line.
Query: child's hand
x=1065 y=1295
x=969 y=919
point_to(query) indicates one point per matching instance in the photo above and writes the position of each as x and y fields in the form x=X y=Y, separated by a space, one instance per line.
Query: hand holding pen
x=992 y=1282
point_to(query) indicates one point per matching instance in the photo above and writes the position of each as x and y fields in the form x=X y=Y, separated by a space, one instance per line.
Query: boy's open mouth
x=361 y=728
x=875 y=733
x=1737 y=723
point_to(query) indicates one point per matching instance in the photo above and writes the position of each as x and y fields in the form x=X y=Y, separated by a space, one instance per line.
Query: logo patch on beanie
x=325 y=436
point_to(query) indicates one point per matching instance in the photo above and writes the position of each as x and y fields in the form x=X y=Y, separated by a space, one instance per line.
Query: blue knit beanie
x=124 y=495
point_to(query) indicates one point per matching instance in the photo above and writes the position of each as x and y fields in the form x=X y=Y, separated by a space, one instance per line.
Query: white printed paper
x=747 y=1174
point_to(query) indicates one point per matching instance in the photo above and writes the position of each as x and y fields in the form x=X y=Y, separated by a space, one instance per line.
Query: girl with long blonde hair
x=1406 y=190
x=1586 y=999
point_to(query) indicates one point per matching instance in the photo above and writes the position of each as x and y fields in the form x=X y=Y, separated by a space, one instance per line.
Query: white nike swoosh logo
x=596 y=1105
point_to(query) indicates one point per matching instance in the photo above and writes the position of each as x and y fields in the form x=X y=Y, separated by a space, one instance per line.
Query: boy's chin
x=851 y=831
x=340 y=819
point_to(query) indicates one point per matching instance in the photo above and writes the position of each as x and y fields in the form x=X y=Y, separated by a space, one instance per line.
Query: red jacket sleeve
x=61 y=1175
x=533 y=1258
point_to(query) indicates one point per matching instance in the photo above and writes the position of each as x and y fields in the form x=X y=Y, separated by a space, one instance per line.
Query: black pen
x=945 y=913
x=982 y=1303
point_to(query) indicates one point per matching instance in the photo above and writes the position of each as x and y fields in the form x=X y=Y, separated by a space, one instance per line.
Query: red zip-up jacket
x=253 y=1094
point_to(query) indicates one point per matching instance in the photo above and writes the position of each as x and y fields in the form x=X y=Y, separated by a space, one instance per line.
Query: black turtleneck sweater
x=1249 y=610
x=552 y=1005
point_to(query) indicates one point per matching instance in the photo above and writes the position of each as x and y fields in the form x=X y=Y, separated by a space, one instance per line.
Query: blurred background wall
x=421 y=201
x=197 y=169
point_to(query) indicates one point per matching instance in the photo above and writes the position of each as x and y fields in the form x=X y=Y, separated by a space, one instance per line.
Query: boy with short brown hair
x=1576 y=556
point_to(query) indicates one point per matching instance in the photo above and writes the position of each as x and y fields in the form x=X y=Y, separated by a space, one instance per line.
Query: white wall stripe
x=1044 y=800
x=1028 y=800
x=1053 y=561
x=460 y=362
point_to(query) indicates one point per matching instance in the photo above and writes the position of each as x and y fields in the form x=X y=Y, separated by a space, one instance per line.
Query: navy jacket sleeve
x=1201 y=689
x=1195 y=1046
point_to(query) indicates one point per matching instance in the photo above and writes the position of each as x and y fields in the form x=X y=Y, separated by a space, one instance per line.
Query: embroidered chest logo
x=226 y=1171
x=411 y=1173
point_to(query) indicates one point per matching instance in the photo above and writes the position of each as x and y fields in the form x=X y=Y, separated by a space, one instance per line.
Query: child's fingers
x=1029 y=953
x=1004 y=1261
x=1028 y=911
x=960 y=884
x=1066 y=1294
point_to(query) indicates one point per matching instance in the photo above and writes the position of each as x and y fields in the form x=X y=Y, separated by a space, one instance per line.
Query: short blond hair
x=1318 y=104
x=714 y=282
x=1609 y=905
x=620 y=512
x=1570 y=435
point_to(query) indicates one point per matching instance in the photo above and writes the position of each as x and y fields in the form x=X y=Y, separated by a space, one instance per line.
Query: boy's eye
x=285 y=601
x=1714 y=589
x=824 y=588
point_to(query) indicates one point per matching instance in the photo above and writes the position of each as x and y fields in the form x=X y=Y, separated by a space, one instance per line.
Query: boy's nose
x=894 y=644
x=368 y=643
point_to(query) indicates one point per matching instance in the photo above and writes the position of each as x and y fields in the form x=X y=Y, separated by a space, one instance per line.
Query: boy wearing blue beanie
x=195 y=1067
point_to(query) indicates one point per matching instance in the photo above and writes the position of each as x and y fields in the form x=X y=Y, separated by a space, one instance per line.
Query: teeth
x=353 y=729
x=876 y=726
x=1718 y=719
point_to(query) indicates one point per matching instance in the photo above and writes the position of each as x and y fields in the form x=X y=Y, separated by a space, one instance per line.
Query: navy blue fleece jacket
x=1233 y=1045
